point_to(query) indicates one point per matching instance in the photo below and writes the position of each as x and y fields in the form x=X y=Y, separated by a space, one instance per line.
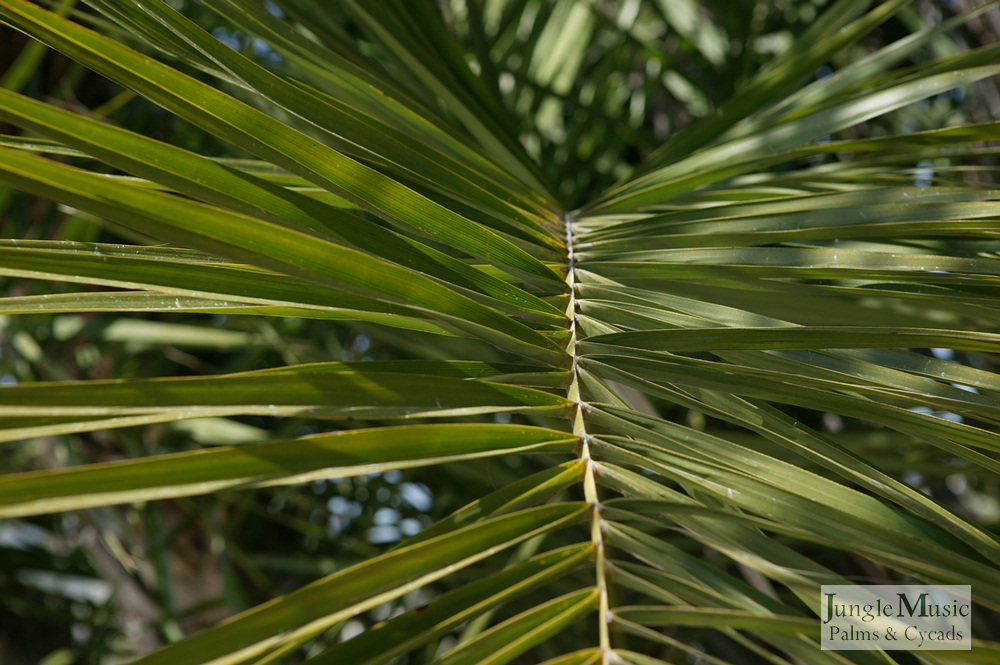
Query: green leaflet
x=506 y=641
x=725 y=160
x=226 y=187
x=720 y=339
x=351 y=452
x=360 y=587
x=666 y=616
x=415 y=627
x=357 y=392
x=270 y=139
x=274 y=246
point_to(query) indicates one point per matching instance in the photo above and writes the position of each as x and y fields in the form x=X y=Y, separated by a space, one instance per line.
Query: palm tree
x=655 y=299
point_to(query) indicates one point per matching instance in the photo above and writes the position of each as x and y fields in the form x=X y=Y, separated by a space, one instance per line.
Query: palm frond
x=707 y=368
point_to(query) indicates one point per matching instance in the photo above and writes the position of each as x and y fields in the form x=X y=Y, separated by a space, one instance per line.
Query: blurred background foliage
x=98 y=586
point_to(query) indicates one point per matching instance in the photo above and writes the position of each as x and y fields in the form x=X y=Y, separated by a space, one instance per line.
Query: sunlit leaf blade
x=433 y=73
x=420 y=625
x=499 y=372
x=715 y=479
x=271 y=139
x=836 y=28
x=355 y=86
x=739 y=536
x=188 y=274
x=363 y=586
x=806 y=263
x=358 y=392
x=724 y=160
x=720 y=339
x=351 y=452
x=513 y=637
x=582 y=657
x=17 y=429
x=148 y=301
x=298 y=253
x=350 y=132
x=686 y=575
x=700 y=616
x=657 y=637
x=719 y=376
x=891 y=212
x=188 y=173
x=637 y=658
x=20 y=426
x=980 y=652
x=910 y=547
x=522 y=493
x=848 y=465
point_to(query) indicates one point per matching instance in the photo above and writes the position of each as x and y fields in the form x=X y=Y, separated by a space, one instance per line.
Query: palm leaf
x=700 y=378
